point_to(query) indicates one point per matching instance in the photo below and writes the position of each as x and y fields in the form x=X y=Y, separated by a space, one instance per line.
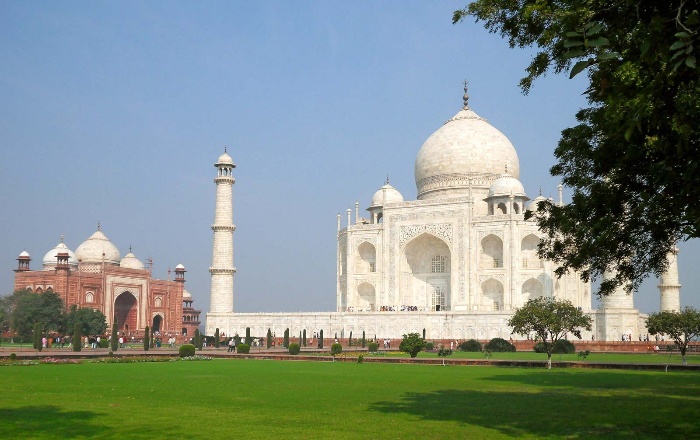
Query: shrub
x=13 y=356
x=363 y=339
x=115 y=337
x=248 y=338
x=562 y=346
x=269 y=338
x=77 y=337
x=303 y=338
x=216 y=338
x=360 y=358
x=187 y=350
x=244 y=348
x=412 y=344
x=499 y=345
x=286 y=338
x=146 y=336
x=110 y=354
x=372 y=347
x=104 y=343
x=470 y=345
x=336 y=349
x=429 y=346
x=294 y=348
x=320 y=339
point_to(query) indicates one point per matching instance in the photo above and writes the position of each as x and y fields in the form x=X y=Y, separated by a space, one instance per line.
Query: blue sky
x=115 y=112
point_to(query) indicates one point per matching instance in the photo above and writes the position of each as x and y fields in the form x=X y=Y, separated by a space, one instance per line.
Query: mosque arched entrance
x=425 y=274
x=125 y=312
x=157 y=323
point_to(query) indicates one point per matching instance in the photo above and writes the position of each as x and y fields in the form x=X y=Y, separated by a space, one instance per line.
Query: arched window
x=159 y=301
x=502 y=208
x=89 y=297
x=438 y=298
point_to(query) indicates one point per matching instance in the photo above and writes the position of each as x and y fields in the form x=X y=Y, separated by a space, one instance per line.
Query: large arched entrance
x=125 y=311
x=157 y=323
x=425 y=274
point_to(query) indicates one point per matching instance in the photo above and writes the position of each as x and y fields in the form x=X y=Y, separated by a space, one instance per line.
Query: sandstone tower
x=222 y=269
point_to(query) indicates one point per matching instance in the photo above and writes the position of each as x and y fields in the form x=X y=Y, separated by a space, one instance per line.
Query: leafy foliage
x=682 y=327
x=147 y=335
x=115 y=338
x=412 y=343
x=562 y=346
x=336 y=349
x=269 y=338
x=92 y=321
x=372 y=347
x=186 y=350
x=470 y=345
x=77 y=337
x=429 y=346
x=633 y=158
x=294 y=348
x=244 y=348
x=499 y=345
x=216 y=338
x=551 y=320
x=29 y=308
x=444 y=352
x=248 y=338
x=286 y=338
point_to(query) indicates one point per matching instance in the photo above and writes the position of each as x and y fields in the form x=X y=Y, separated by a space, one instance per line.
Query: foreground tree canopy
x=633 y=160
x=412 y=344
x=550 y=320
x=682 y=327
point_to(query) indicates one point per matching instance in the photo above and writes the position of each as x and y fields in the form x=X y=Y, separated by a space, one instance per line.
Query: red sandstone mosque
x=122 y=288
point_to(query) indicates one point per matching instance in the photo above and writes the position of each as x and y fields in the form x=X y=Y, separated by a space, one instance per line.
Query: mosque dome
x=24 y=254
x=506 y=185
x=224 y=159
x=131 y=262
x=180 y=267
x=465 y=149
x=50 y=257
x=91 y=250
x=532 y=206
x=386 y=193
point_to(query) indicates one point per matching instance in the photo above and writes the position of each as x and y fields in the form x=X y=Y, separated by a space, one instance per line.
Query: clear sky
x=115 y=112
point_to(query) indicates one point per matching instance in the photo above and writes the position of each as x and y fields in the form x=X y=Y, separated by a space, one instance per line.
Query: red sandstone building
x=122 y=288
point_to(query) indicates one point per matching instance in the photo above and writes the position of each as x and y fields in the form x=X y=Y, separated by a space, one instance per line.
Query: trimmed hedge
x=562 y=346
x=244 y=348
x=294 y=348
x=470 y=345
x=499 y=345
x=187 y=350
x=372 y=347
x=429 y=346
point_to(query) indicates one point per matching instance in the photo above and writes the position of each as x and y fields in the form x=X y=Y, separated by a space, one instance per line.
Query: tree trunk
x=685 y=361
x=549 y=361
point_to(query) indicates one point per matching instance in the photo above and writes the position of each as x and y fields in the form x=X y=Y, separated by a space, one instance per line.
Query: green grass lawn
x=310 y=400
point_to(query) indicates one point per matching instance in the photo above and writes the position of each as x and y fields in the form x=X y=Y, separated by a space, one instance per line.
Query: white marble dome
x=186 y=296
x=131 y=262
x=91 y=250
x=224 y=159
x=465 y=148
x=24 y=254
x=388 y=191
x=180 y=267
x=505 y=186
x=50 y=257
x=532 y=206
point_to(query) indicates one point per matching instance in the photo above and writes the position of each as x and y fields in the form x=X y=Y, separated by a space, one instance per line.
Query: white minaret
x=669 y=286
x=619 y=298
x=222 y=269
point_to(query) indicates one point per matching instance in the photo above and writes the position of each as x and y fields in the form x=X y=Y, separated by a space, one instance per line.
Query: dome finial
x=98 y=226
x=225 y=149
x=129 y=248
x=540 y=191
x=387 y=179
x=506 y=168
x=61 y=238
x=466 y=95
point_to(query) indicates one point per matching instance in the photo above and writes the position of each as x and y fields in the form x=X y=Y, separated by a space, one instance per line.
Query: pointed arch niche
x=491 y=295
x=425 y=274
x=366 y=259
x=366 y=297
x=532 y=289
x=528 y=252
x=491 y=252
x=126 y=311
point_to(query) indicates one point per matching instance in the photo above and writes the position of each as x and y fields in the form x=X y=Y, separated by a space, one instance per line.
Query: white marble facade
x=454 y=263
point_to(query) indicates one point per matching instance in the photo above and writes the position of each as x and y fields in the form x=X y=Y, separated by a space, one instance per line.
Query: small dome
x=505 y=186
x=180 y=267
x=91 y=250
x=186 y=296
x=131 y=262
x=532 y=206
x=50 y=257
x=386 y=193
x=24 y=254
x=224 y=159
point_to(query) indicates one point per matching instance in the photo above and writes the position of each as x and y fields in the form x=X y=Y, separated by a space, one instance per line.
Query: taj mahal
x=452 y=264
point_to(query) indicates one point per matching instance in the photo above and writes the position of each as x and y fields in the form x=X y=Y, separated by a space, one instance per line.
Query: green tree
x=633 y=159
x=363 y=339
x=320 y=338
x=550 y=320
x=77 y=337
x=682 y=327
x=303 y=338
x=285 y=344
x=92 y=321
x=412 y=344
x=30 y=307
x=114 y=340
x=443 y=353
x=146 y=338
x=269 y=338
x=216 y=338
x=248 y=339
x=37 y=335
x=336 y=349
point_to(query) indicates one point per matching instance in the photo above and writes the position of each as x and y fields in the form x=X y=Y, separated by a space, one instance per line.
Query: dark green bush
x=562 y=346
x=13 y=356
x=186 y=350
x=336 y=349
x=104 y=343
x=499 y=345
x=360 y=358
x=470 y=345
x=372 y=347
x=294 y=348
x=146 y=336
x=110 y=354
x=429 y=346
x=77 y=337
x=244 y=348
